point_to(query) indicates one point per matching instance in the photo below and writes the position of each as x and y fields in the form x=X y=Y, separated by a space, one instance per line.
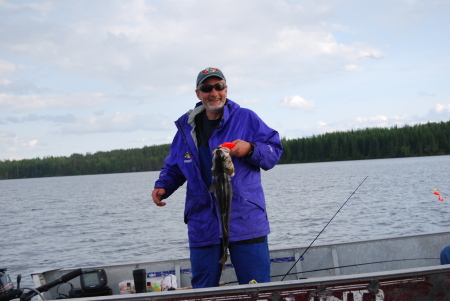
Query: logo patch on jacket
x=187 y=158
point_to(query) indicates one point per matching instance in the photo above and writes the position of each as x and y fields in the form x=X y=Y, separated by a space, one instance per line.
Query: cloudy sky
x=85 y=76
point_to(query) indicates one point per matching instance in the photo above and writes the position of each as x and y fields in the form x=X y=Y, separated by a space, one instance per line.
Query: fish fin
x=212 y=188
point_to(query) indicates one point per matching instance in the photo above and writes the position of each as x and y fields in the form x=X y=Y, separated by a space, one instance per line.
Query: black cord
x=61 y=295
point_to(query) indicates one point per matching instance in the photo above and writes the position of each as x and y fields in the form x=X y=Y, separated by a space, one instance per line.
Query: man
x=216 y=120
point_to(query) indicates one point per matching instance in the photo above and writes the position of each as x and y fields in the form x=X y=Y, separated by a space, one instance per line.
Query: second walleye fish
x=222 y=171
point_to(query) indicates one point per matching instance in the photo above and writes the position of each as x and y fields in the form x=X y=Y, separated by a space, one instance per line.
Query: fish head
x=222 y=155
x=221 y=151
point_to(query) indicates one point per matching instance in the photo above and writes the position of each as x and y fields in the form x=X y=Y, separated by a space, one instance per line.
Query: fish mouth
x=224 y=151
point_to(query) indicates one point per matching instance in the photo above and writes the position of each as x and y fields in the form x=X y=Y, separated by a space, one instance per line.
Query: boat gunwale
x=248 y=289
x=271 y=251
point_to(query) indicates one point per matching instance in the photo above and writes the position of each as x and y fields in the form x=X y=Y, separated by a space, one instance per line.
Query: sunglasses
x=208 y=88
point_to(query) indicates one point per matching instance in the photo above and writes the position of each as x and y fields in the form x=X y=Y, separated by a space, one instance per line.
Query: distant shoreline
x=431 y=139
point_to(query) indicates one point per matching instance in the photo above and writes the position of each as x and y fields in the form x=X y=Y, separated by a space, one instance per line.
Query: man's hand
x=241 y=148
x=157 y=195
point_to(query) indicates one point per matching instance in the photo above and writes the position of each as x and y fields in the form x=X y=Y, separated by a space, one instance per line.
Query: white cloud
x=379 y=118
x=10 y=143
x=381 y=121
x=251 y=101
x=4 y=135
x=296 y=102
x=138 y=38
x=6 y=67
x=354 y=68
x=5 y=82
x=67 y=118
x=32 y=143
x=442 y=107
x=38 y=102
x=42 y=7
x=313 y=43
x=119 y=122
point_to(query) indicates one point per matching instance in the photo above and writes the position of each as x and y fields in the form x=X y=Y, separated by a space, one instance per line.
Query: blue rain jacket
x=248 y=217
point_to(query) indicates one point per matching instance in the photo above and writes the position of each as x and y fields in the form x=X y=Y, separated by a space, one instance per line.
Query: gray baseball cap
x=208 y=72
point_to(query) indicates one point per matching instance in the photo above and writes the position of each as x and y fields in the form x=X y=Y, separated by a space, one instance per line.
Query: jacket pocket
x=191 y=203
x=247 y=217
x=201 y=219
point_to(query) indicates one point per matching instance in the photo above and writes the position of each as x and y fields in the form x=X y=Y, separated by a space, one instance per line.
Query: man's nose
x=214 y=91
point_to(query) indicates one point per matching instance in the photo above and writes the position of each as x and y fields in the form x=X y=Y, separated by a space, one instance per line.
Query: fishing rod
x=301 y=256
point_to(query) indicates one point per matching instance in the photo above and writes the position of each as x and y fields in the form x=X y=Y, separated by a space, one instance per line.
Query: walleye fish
x=222 y=170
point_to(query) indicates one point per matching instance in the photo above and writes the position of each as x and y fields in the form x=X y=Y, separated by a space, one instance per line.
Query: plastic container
x=127 y=287
x=156 y=287
x=153 y=284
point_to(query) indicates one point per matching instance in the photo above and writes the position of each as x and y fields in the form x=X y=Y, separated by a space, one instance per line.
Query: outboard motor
x=6 y=285
x=8 y=292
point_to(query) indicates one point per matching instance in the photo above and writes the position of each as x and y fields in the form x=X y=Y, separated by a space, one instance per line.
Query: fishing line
x=346 y=266
x=355 y=265
x=301 y=256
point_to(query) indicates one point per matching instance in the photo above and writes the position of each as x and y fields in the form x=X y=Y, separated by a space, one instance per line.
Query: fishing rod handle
x=47 y=286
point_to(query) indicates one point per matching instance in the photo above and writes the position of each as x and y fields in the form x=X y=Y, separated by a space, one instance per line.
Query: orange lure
x=438 y=194
x=228 y=145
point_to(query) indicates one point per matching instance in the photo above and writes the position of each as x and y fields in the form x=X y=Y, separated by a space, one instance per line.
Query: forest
x=428 y=139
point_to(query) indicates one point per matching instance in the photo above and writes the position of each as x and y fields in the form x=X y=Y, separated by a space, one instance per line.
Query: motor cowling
x=6 y=284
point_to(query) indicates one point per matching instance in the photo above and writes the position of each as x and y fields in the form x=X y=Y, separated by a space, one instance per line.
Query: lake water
x=82 y=221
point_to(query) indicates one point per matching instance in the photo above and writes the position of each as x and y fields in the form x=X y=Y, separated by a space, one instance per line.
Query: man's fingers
x=157 y=195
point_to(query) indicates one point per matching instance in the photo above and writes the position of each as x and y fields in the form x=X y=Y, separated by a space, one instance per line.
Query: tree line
x=375 y=143
x=429 y=139
x=117 y=161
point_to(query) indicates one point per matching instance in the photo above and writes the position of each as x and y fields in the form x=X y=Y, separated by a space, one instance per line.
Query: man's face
x=214 y=100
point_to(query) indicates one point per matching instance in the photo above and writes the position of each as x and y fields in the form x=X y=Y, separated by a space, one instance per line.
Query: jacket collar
x=229 y=107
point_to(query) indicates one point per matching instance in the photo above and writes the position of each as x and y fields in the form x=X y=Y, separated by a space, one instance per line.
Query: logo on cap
x=209 y=70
